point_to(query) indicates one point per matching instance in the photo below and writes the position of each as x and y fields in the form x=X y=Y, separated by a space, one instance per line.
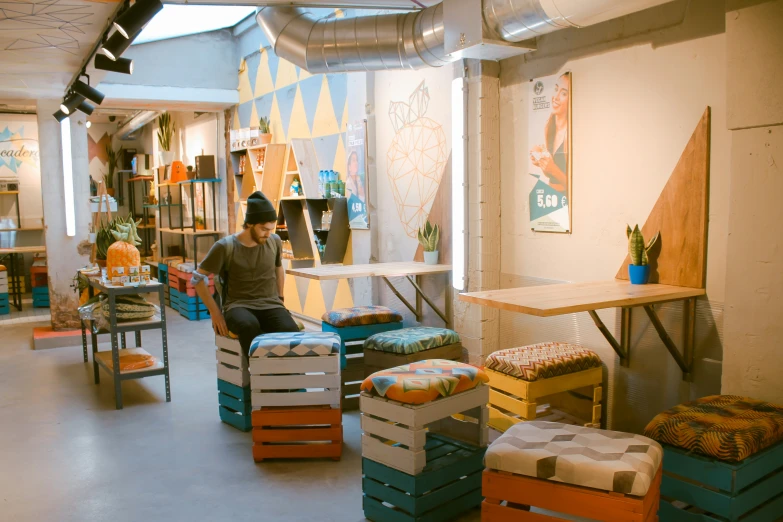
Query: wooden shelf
x=23 y=229
x=142 y=178
x=188 y=232
x=327 y=272
x=9 y=192
x=567 y=298
x=104 y=359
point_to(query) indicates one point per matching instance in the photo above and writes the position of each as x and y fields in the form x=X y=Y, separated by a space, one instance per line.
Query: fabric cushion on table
x=424 y=381
x=361 y=315
x=2 y=268
x=542 y=360
x=295 y=344
x=411 y=340
x=600 y=459
x=726 y=427
x=129 y=308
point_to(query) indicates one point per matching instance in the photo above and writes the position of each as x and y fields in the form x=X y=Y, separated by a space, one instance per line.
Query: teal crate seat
x=234 y=405
x=41 y=291
x=357 y=324
x=449 y=485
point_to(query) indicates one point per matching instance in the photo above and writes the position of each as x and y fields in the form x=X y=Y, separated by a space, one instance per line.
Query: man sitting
x=250 y=263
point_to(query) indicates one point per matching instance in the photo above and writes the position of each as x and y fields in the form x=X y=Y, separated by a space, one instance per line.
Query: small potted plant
x=200 y=225
x=263 y=128
x=112 y=160
x=639 y=269
x=165 y=138
x=429 y=236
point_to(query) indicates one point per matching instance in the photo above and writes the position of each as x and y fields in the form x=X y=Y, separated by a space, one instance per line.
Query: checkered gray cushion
x=589 y=457
x=295 y=344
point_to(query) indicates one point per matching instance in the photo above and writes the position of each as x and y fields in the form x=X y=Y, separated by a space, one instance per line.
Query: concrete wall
x=754 y=269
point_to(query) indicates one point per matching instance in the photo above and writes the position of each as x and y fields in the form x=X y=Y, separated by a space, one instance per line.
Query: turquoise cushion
x=411 y=340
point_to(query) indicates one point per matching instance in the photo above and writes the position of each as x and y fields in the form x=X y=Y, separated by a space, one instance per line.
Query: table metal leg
x=84 y=340
x=115 y=352
x=124 y=341
x=164 y=336
x=16 y=286
x=95 y=369
x=138 y=338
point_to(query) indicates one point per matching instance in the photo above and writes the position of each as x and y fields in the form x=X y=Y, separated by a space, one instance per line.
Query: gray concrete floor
x=67 y=455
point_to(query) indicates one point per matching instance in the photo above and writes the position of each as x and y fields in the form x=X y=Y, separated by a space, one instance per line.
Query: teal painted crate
x=191 y=316
x=41 y=291
x=701 y=489
x=234 y=405
x=449 y=485
x=5 y=309
x=357 y=333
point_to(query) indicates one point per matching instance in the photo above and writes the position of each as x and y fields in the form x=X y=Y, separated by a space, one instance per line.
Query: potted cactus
x=264 y=130
x=165 y=138
x=639 y=269
x=429 y=235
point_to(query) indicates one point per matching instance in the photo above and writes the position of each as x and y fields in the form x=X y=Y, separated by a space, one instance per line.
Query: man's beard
x=258 y=239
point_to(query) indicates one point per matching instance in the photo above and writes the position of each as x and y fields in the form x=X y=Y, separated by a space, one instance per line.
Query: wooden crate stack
x=233 y=383
x=5 y=307
x=183 y=298
x=39 y=280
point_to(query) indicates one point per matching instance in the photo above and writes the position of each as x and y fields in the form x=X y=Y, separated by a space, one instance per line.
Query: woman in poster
x=354 y=186
x=552 y=156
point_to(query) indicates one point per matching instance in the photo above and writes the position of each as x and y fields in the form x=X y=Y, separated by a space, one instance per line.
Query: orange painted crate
x=39 y=276
x=180 y=281
x=297 y=433
x=520 y=492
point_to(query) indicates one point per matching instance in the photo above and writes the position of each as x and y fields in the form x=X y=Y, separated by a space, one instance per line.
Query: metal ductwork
x=435 y=36
x=136 y=122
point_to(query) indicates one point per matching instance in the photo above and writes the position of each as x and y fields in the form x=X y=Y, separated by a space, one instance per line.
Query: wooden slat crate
x=234 y=405
x=232 y=365
x=279 y=381
x=357 y=333
x=297 y=432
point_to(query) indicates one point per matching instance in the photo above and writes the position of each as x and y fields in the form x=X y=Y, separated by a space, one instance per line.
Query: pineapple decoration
x=415 y=160
x=123 y=252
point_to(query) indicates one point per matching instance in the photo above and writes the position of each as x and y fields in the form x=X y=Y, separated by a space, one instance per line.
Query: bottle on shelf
x=321 y=184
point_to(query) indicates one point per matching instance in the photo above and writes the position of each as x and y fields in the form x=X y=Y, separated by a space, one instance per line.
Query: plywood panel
x=680 y=214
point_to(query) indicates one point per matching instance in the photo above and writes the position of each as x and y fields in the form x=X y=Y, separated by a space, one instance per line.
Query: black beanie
x=259 y=209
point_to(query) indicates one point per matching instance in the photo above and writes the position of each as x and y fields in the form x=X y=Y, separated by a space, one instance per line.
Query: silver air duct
x=488 y=30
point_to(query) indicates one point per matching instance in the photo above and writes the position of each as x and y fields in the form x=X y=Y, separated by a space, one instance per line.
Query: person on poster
x=356 y=191
x=552 y=156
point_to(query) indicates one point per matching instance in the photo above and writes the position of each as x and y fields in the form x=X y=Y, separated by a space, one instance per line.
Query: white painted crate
x=385 y=421
x=232 y=366
x=279 y=381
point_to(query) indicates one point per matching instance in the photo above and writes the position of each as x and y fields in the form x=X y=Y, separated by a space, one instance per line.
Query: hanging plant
x=165 y=131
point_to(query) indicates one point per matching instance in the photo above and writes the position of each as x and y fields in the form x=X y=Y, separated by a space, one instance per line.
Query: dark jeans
x=248 y=324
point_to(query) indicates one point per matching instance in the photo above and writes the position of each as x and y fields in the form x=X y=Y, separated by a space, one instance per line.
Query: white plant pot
x=431 y=258
x=166 y=157
x=92 y=237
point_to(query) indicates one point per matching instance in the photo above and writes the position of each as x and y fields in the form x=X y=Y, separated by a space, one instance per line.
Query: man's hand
x=219 y=322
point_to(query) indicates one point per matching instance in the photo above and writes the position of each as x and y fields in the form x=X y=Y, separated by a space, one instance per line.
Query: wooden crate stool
x=295 y=383
x=354 y=325
x=396 y=348
x=419 y=462
x=575 y=470
x=4 y=303
x=723 y=460
x=232 y=365
x=556 y=382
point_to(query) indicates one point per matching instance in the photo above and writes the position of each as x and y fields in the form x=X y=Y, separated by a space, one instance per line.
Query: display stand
x=192 y=230
x=110 y=360
x=263 y=171
x=146 y=227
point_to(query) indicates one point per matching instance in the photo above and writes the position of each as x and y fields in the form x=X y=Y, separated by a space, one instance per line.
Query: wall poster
x=356 y=175
x=550 y=161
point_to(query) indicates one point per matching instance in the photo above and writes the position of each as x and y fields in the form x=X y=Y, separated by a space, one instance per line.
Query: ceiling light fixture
x=85 y=107
x=60 y=116
x=136 y=17
x=71 y=102
x=95 y=96
x=120 y=65
x=117 y=44
x=88 y=124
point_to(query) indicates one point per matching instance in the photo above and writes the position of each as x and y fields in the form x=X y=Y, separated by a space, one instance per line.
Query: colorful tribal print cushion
x=725 y=427
x=361 y=315
x=542 y=360
x=599 y=459
x=424 y=381
x=295 y=344
x=411 y=340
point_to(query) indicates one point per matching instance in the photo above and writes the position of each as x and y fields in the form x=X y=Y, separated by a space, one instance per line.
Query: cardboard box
x=133 y=270
x=145 y=269
x=117 y=271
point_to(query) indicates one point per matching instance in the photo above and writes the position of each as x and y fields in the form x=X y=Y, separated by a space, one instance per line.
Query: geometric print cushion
x=542 y=360
x=295 y=344
x=424 y=381
x=599 y=459
x=725 y=427
x=361 y=315
x=411 y=340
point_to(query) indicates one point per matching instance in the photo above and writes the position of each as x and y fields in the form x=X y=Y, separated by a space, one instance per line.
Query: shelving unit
x=147 y=223
x=263 y=171
x=14 y=193
x=120 y=173
x=187 y=189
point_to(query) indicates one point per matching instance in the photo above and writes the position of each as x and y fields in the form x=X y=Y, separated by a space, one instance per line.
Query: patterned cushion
x=725 y=427
x=2 y=268
x=411 y=340
x=542 y=360
x=295 y=344
x=599 y=459
x=424 y=381
x=361 y=315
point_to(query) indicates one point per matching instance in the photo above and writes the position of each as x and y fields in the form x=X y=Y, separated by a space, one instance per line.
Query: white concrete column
x=65 y=254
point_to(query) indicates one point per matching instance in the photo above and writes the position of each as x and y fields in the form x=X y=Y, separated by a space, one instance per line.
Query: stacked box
x=4 y=303
x=163 y=277
x=182 y=295
x=233 y=383
x=41 y=297
x=295 y=383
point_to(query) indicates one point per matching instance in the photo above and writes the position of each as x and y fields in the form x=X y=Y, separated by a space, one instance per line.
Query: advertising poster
x=356 y=175
x=549 y=157
x=20 y=174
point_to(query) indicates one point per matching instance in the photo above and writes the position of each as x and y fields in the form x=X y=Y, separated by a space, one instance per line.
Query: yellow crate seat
x=361 y=316
x=542 y=360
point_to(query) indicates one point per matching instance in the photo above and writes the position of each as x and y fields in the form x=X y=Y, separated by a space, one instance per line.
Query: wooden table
x=568 y=298
x=12 y=253
x=412 y=271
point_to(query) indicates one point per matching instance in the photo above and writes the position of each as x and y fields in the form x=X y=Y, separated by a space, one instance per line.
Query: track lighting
x=116 y=45
x=60 y=115
x=85 y=107
x=88 y=92
x=71 y=102
x=88 y=124
x=120 y=65
x=136 y=17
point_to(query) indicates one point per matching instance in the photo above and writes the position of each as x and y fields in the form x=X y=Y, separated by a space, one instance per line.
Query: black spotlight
x=60 y=115
x=131 y=21
x=116 y=45
x=95 y=96
x=120 y=65
x=85 y=107
x=71 y=102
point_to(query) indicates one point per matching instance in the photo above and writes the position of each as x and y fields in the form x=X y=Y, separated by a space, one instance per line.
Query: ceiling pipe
x=137 y=121
x=416 y=39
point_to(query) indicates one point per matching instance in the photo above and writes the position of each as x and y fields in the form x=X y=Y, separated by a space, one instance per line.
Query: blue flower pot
x=639 y=274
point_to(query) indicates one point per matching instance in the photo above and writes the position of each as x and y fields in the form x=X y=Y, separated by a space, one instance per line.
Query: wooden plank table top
x=23 y=250
x=567 y=298
x=326 y=272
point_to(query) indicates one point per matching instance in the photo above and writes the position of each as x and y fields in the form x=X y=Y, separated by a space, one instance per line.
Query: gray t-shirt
x=252 y=278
